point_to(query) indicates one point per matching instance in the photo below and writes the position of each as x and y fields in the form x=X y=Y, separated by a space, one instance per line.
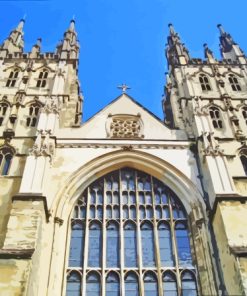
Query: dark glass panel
x=95 y=245
x=165 y=244
x=73 y=284
x=130 y=245
x=112 y=285
x=150 y=285
x=93 y=284
x=131 y=285
x=148 y=257
x=183 y=245
x=76 y=245
x=188 y=284
x=169 y=284
x=113 y=248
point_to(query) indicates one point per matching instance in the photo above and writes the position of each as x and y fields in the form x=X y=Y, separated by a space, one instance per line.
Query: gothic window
x=216 y=117
x=244 y=113
x=34 y=111
x=204 y=81
x=234 y=82
x=131 y=284
x=140 y=231
x=73 y=284
x=243 y=159
x=150 y=284
x=112 y=284
x=13 y=76
x=42 y=80
x=93 y=284
x=188 y=284
x=169 y=284
x=3 y=110
x=5 y=161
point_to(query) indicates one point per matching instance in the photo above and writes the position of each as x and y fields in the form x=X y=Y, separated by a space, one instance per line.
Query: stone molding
x=16 y=253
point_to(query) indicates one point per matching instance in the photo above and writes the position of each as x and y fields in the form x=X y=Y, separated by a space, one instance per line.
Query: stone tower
x=124 y=203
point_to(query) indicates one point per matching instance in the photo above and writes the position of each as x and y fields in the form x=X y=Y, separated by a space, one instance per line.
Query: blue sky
x=123 y=41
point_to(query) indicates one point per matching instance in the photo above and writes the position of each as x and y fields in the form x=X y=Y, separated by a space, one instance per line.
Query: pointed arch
x=7 y=153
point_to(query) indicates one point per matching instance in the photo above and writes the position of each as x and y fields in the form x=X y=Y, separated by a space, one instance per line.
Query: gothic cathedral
x=124 y=203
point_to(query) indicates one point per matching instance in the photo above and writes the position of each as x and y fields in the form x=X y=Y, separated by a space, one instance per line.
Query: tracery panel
x=129 y=236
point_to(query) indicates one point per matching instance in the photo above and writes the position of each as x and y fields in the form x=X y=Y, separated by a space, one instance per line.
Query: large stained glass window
x=129 y=236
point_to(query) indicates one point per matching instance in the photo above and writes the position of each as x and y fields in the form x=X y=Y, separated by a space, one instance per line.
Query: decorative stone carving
x=211 y=145
x=43 y=146
x=124 y=126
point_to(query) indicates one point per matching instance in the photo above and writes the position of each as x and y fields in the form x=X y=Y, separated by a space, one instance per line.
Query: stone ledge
x=239 y=251
x=33 y=197
x=225 y=197
x=16 y=253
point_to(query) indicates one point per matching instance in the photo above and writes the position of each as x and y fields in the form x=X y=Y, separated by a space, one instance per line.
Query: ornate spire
x=229 y=48
x=176 y=52
x=15 y=42
x=69 y=47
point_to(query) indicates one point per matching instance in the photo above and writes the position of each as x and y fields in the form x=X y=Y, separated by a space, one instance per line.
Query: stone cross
x=124 y=87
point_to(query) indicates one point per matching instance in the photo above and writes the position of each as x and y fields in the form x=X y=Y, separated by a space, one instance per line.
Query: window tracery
x=13 y=76
x=234 y=82
x=204 y=81
x=3 y=110
x=42 y=79
x=34 y=110
x=125 y=126
x=5 y=160
x=146 y=240
x=215 y=115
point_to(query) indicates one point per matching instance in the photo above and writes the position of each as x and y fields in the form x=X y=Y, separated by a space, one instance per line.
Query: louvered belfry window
x=129 y=236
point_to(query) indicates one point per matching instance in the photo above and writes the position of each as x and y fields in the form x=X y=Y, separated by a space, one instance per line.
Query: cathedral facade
x=124 y=203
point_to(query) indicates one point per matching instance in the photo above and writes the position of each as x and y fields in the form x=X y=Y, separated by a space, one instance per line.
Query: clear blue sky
x=123 y=41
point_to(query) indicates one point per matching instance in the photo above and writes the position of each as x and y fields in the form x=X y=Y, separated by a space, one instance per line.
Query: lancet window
x=204 y=81
x=234 y=83
x=129 y=236
x=34 y=110
x=13 y=76
x=5 y=161
x=216 y=117
x=42 y=80
x=3 y=110
x=243 y=158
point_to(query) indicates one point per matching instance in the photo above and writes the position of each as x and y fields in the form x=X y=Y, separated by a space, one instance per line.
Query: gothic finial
x=222 y=31
x=171 y=28
x=124 y=87
x=208 y=53
x=72 y=24
x=21 y=24
x=38 y=43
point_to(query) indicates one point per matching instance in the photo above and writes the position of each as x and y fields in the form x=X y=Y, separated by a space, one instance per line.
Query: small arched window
x=147 y=245
x=95 y=243
x=5 y=161
x=188 y=284
x=183 y=244
x=234 y=82
x=244 y=113
x=13 y=76
x=42 y=80
x=34 y=111
x=165 y=245
x=150 y=284
x=93 y=284
x=204 y=81
x=169 y=284
x=3 y=110
x=130 y=245
x=112 y=250
x=216 y=117
x=73 y=284
x=131 y=284
x=112 y=284
x=243 y=158
x=77 y=244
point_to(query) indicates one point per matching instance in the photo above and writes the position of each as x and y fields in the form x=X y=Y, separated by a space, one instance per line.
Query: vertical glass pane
x=125 y=197
x=188 y=284
x=112 y=249
x=130 y=245
x=150 y=285
x=73 y=284
x=6 y=166
x=131 y=285
x=76 y=245
x=95 y=245
x=169 y=285
x=165 y=245
x=93 y=285
x=112 y=285
x=148 y=257
x=183 y=245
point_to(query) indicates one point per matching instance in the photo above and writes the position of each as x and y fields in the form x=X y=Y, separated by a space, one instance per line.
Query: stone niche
x=124 y=126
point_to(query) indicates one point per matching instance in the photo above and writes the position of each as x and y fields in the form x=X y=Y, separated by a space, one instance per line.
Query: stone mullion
x=156 y=242
x=103 y=263
x=86 y=244
x=139 y=246
x=122 y=263
x=174 y=246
